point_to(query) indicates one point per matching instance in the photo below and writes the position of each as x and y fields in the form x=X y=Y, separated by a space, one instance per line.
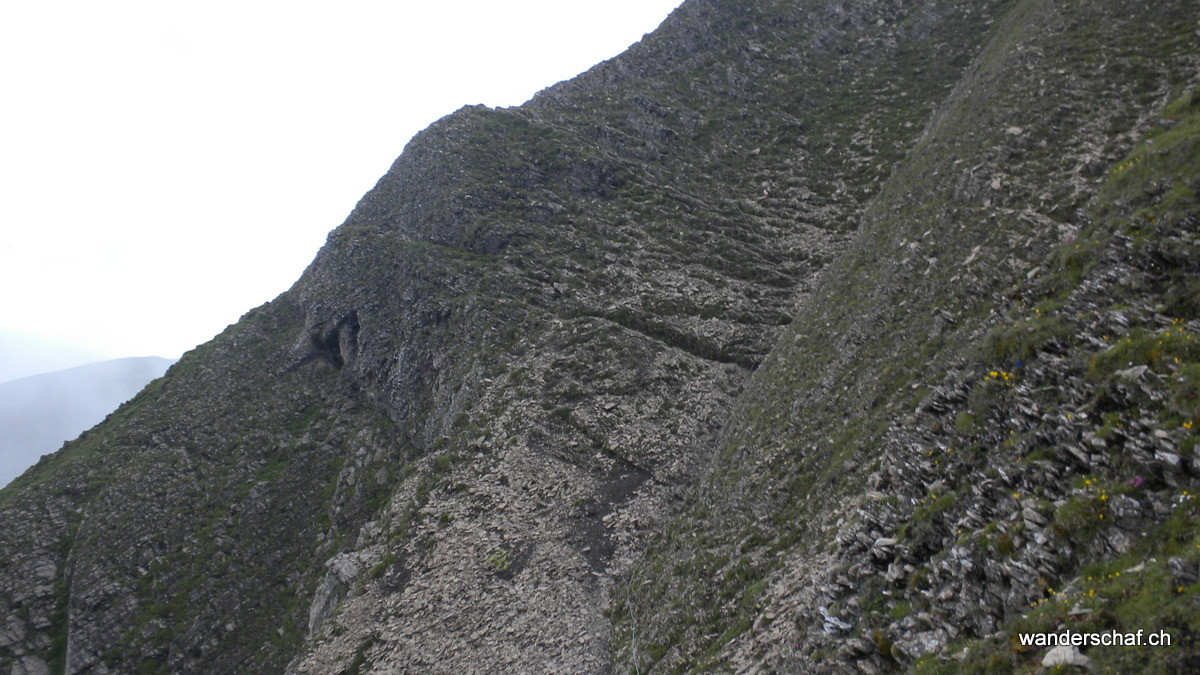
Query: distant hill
x=40 y=412
x=25 y=356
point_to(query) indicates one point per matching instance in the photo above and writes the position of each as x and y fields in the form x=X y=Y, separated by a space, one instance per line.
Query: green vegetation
x=1136 y=591
x=1160 y=350
x=1150 y=587
x=499 y=561
x=360 y=657
x=1020 y=341
x=380 y=568
x=863 y=301
x=806 y=433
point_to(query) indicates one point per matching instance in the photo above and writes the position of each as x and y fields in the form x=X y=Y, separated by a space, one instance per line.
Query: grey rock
x=577 y=372
x=30 y=665
x=1126 y=511
x=923 y=643
x=1065 y=655
x=1134 y=373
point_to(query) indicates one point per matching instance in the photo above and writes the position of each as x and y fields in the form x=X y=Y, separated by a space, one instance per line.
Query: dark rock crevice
x=336 y=342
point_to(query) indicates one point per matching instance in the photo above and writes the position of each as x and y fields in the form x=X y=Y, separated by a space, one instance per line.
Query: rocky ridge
x=704 y=359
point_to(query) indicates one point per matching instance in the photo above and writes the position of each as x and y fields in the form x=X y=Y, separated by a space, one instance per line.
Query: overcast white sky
x=165 y=165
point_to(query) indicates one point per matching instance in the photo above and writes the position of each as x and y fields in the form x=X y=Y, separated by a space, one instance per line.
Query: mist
x=22 y=356
x=40 y=412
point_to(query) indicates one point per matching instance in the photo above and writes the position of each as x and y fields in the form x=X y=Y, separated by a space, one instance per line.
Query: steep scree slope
x=983 y=414
x=512 y=369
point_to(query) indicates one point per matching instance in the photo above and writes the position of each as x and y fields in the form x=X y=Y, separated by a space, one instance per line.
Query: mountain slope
x=649 y=353
x=913 y=463
x=40 y=412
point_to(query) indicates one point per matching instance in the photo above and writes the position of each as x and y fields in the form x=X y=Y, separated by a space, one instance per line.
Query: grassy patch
x=1017 y=342
x=1161 y=350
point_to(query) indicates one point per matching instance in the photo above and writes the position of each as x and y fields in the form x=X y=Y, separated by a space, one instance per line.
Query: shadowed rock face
x=610 y=380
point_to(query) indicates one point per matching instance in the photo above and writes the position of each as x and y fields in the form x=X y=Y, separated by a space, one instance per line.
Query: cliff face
x=802 y=334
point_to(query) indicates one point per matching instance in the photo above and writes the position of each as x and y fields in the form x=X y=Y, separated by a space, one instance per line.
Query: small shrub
x=500 y=561
x=444 y=462
x=1081 y=515
x=1009 y=344
x=382 y=566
